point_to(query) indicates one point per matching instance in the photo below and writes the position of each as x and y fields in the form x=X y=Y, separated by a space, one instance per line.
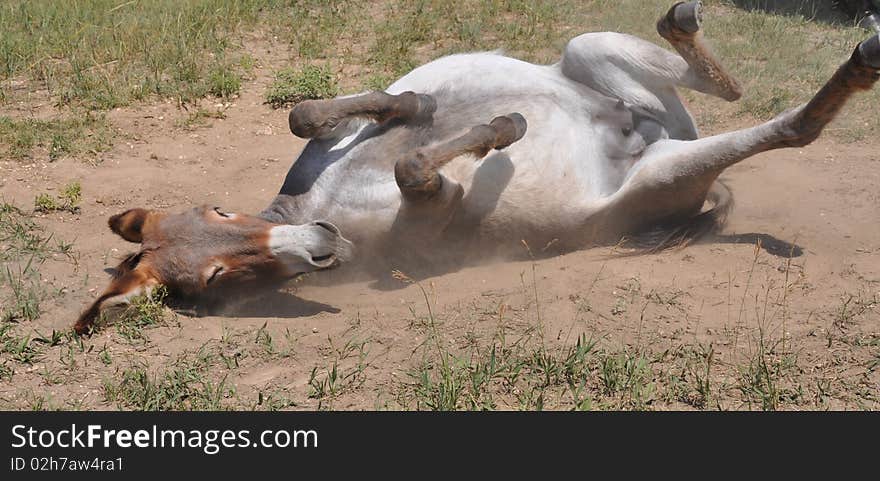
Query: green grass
x=317 y=29
x=184 y=386
x=103 y=54
x=143 y=311
x=528 y=29
x=19 y=348
x=223 y=82
x=105 y=357
x=528 y=373
x=689 y=379
x=292 y=86
x=6 y=371
x=67 y=200
x=627 y=375
x=762 y=379
x=756 y=367
x=29 y=348
x=19 y=234
x=96 y=55
x=24 y=247
x=273 y=400
x=22 y=293
x=79 y=134
x=346 y=372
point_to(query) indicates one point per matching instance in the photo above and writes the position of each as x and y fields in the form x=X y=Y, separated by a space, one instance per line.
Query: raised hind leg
x=671 y=180
x=318 y=118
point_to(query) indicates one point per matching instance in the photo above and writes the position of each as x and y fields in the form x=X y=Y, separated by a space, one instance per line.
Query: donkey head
x=208 y=255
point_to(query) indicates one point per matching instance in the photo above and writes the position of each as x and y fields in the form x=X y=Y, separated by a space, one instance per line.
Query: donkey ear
x=122 y=288
x=130 y=224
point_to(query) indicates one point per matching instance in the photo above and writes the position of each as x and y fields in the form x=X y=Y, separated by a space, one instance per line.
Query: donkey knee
x=305 y=119
x=793 y=130
x=417 y=179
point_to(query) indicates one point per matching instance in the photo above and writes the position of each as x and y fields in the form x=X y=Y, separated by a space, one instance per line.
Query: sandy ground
x=818 y=203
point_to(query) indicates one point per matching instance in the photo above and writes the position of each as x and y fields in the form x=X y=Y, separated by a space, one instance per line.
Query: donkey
x=472 y=154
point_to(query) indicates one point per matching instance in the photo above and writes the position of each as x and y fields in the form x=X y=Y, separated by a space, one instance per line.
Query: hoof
x=688 y=16
x=304 y=120
x=869 y=51
x=519 y=122
x=510 y=128
x=415 y=107
x=427 y=105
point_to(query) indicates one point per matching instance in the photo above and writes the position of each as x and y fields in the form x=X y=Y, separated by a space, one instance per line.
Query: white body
x=610 y=150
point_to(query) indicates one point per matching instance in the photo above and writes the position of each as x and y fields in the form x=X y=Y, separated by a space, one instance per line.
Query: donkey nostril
x=319 y=259
x=326 y=225
x=323 y=261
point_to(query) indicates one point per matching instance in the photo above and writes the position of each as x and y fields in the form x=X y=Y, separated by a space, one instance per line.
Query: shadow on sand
x=842 y=12
x=770 y=244
x=272 y=304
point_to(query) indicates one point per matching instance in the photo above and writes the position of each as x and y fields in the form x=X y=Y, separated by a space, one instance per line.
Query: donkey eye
x=221 y=213
x=214 y=273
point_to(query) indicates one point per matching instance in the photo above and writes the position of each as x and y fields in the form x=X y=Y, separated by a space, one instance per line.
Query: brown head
x=207 y=254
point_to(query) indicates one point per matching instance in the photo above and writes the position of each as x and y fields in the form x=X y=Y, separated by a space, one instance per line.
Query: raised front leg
x=645 y=75
x=418 y=173
x=317 y=118
x=681 y=28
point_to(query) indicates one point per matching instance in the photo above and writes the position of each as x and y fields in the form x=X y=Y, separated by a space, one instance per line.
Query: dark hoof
x=509 y=128
x=82 y=330
x=869 y=51
x=413 y=107
x=305 y=120
x=688 y=16
x=519 y=122
x=427 y=106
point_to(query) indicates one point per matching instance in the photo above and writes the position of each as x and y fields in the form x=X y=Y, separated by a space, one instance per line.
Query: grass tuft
x=185 y=386
x=223 y=82
x=143 y=311
x=291 y=87
x=67 y=200
x=74 y=135
x=24 y=246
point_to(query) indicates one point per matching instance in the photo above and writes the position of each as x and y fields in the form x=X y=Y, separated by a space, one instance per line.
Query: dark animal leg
x=418 y=174
x=859 y=73
x=317 y=118
x=681 y=27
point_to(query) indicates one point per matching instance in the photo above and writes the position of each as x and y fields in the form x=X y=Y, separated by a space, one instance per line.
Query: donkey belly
x=555 y=174
x=547 y=182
